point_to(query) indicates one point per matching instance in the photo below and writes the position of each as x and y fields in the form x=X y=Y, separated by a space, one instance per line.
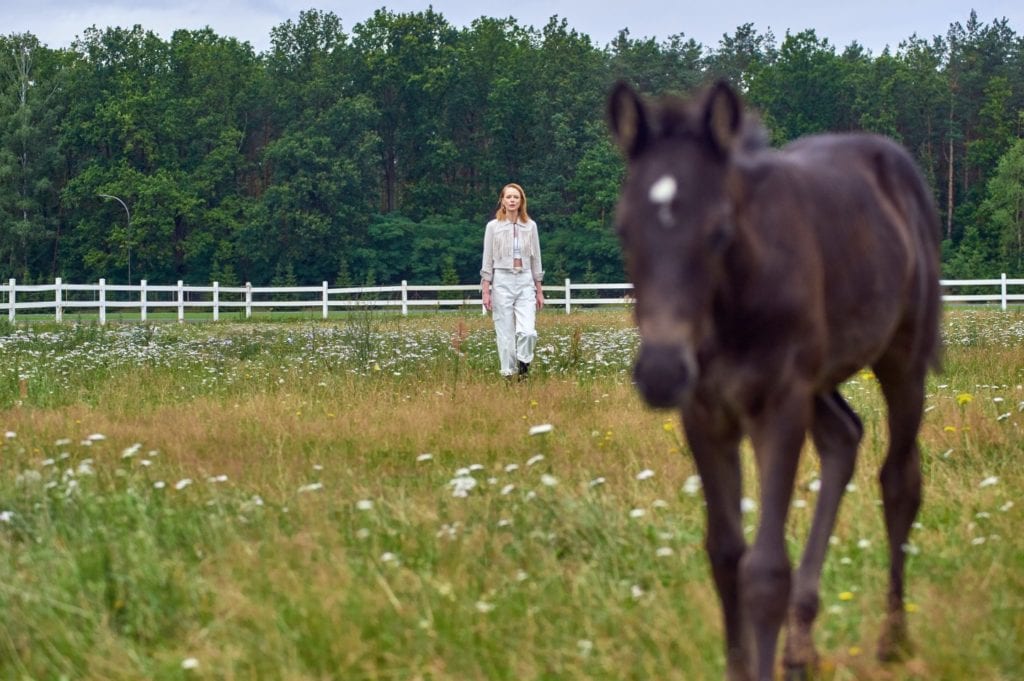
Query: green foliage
x=1003 y=208
x=375 y=154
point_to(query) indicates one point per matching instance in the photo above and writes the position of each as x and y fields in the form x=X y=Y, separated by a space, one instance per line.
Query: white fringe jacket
x=498 y=248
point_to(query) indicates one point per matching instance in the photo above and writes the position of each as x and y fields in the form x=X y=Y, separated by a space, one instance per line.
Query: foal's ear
x=723 y=113
x=627 y=118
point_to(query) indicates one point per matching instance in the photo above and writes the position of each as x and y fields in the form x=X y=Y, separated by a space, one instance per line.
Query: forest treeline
x=375 y=154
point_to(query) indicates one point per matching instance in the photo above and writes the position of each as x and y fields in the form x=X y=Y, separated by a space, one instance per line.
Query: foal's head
x=674 y=221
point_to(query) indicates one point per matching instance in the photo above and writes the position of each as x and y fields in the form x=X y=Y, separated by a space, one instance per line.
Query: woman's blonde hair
x=523 y=215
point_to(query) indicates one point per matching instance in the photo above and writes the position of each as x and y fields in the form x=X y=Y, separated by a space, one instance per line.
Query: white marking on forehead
x=663 y=191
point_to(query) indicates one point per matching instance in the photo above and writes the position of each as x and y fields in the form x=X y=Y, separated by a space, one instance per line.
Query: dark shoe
x=524 y=369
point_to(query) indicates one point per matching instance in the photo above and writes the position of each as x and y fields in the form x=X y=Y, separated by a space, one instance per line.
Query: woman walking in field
x=510 y=280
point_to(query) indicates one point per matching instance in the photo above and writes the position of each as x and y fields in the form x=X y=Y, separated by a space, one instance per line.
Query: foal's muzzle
x=665 y=374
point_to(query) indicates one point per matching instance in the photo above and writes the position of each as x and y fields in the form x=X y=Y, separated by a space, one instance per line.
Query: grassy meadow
x=367 y=499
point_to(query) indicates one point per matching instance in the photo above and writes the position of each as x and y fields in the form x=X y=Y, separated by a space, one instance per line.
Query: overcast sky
x=872 y=23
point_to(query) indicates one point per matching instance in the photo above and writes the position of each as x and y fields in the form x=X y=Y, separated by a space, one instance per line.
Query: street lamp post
x=129 y=239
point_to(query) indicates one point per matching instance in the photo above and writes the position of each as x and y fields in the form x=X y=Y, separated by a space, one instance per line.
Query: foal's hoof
x=800 y=673
x=894 y=643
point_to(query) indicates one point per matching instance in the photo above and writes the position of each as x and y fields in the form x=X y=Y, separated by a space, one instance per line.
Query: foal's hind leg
x=900 y=477
x=837 y=432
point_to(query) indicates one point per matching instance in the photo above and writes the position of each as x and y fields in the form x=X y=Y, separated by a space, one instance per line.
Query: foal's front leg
x=837 y=431
x=714 y=442
x=777 y=434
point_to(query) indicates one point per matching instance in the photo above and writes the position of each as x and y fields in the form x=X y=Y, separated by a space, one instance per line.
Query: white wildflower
x=190 y=663
x=645 y=474
x=989 y=481
x=748 y=505
x=536 y=458
x=664 y=552
x=424 y=457
x=541 y=429
x=364 y=505
x=183 y=483
x=692 y=485
x=311 y=487
x=548 y=480
x=462 y=485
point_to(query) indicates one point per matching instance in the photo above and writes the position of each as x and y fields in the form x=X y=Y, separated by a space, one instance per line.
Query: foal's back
x=854 y=209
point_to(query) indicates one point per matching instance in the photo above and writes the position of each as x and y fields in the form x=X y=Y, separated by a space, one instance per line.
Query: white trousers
x=514 y=311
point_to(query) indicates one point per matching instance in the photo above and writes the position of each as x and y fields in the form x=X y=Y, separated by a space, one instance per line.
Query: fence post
x=325 y=300
x=103 y=302
x=405 y=297
x=248 y=300
x=1002 y=293
x=10 y=302
x=568 y=288
x=142 y=299
x=216 y=301
x=58 y=289
x=181 y=301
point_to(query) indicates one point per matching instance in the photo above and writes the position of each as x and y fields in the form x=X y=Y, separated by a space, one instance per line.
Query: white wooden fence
x=146 y=297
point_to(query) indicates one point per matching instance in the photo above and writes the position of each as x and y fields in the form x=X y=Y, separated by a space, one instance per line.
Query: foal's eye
x=721 y=236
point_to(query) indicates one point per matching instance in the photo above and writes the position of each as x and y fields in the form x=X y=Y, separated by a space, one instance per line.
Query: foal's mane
x=677 y=117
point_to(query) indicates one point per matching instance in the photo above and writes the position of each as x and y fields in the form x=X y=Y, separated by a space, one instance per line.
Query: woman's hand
x=486 y=294
x=540 y=297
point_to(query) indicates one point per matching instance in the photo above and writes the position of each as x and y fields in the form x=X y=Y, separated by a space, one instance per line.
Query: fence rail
x=146 y=297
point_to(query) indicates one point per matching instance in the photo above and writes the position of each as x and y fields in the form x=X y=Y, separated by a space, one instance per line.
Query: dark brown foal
x=764 y=279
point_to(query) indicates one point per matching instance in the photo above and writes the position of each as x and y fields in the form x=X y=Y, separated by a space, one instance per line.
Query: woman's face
x=511 y=200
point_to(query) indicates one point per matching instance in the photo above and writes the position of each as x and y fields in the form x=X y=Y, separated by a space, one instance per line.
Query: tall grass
x=363 y=500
